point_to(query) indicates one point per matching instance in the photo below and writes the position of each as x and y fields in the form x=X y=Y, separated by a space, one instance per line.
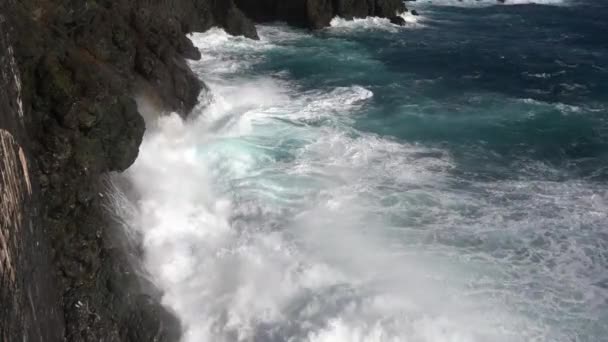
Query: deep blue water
x=442 y=182
x=465 y=78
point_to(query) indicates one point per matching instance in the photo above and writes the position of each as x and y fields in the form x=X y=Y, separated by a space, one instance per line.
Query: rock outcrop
x=69 y=71
x=30 y=300
x=317 y=14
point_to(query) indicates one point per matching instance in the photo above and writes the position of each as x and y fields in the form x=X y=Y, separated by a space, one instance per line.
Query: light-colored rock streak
x=15 y=188
x=16 y=80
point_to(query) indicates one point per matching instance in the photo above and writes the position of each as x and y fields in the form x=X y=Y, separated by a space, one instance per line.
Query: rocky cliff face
x=29 y=292
x=69 y=70
x=317 y=14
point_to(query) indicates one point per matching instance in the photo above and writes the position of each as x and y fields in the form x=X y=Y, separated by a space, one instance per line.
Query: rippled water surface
x=442 y=182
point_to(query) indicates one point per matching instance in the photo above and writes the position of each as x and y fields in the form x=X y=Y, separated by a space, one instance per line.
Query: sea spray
x=360 y=197
x=237 y=234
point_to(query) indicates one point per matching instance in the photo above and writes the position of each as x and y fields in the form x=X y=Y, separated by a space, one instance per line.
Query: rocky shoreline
x=70 y=70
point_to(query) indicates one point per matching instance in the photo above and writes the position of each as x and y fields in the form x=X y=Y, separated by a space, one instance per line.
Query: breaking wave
x=272 y=214
x=478 y=3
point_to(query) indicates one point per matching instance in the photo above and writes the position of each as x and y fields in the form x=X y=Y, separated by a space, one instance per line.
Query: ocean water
x=442 y=182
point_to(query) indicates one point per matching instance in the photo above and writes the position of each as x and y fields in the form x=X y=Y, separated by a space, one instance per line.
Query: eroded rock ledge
x=69 y=70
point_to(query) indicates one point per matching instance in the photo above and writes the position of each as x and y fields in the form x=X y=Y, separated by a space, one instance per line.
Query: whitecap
x=268 y=217
x=484 y=3
x=562 y=107
x=374 y=23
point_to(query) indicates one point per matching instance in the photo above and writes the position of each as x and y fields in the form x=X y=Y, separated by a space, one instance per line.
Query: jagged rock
x=397 y=20
x=149 y=319
x=354 y=9
x=79 y=64
x=234 y=20
x=317 y=14
x=388 y=8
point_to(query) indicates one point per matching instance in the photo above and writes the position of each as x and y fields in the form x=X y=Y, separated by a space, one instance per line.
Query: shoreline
x=68 y=272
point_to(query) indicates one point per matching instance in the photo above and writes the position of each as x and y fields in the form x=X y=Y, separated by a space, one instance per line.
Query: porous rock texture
x=30 y=299
x=69 y=71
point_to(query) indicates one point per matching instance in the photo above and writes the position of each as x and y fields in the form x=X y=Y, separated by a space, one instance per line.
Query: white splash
x=375 y=23
x=483 y=3
x=267 y=217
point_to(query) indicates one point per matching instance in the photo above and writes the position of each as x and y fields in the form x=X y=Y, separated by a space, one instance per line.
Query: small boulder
x=414 y=12
x=397 y=20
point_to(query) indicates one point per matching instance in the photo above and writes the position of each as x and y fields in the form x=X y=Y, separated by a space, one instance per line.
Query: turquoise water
x=446 y=181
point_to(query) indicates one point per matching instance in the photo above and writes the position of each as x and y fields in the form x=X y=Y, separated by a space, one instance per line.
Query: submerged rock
x=397 y=20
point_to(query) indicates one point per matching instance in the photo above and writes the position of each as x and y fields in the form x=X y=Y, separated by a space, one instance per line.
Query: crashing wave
x=478 y=3
x=375 y=23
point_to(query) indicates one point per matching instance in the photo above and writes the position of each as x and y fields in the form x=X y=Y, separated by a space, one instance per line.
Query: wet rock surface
x=30 y=299
x=74 y=68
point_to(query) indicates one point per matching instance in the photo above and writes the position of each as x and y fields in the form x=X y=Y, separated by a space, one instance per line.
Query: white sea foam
x=268 y=217
x=478 y=3
x=208 y=220
x=375 y=23
x=562 y=107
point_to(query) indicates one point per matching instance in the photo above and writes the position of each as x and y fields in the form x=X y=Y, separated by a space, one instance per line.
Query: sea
x=445 y=181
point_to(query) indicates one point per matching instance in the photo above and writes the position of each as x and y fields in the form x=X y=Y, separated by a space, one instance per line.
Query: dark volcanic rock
x=234 y=20
x=317 y=14
x=70 y=70
x=397 y=20
x=388 y=8
x=30 y=298
x=353 y=8
x=149 y=320
x=320 y=13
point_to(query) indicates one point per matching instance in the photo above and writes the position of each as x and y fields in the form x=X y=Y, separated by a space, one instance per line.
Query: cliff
x=317 y=14
x=29 y=292
x=69 y=71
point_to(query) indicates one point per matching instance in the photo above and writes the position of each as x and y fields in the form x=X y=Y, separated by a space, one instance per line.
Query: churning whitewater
x=344 y=186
